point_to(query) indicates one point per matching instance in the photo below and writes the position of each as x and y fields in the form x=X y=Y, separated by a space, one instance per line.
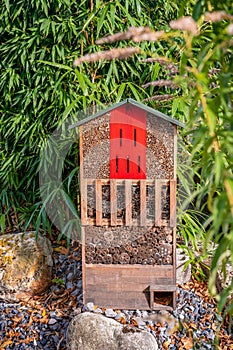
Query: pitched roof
x=134 y=103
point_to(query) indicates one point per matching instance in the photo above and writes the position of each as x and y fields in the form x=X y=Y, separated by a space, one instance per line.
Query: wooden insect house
x=128 y=207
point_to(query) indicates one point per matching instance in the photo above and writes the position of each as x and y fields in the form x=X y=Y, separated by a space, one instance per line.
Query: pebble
x=110 y=313
x=119 y=316
x=89 y=307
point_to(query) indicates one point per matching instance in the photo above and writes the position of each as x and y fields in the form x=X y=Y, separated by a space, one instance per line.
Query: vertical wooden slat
x=151 y=298
x=128 y=203
x=113 y=202
x=158 y=212
x=83 y=186
x=98 y=197
x=142 y=202
x=83 y=264
x=172 y=203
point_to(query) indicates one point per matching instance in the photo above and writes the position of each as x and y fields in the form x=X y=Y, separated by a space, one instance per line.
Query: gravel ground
x=42 y=322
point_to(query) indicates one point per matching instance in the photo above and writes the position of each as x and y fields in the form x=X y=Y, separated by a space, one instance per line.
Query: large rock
x=89 y=331
x=25 y=265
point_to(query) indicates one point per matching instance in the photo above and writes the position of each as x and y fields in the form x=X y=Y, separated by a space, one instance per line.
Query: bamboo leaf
x=57 y=65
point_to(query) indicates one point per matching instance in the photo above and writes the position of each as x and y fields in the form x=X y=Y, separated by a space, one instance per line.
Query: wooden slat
x=162 y=288
x=120 y=300
x=158 y=213
x=172 y=203
x=128 y=203
x=143 y=202
x=83 y=187
x=99 y=215
x=113 y=202
x=129 y=273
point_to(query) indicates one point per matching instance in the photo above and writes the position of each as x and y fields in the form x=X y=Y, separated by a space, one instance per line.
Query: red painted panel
x=128 y=143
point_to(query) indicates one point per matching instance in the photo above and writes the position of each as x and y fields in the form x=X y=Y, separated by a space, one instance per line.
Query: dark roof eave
x=134 y=103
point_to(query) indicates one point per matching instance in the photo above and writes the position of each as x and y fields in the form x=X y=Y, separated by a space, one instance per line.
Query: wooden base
x=129 y=286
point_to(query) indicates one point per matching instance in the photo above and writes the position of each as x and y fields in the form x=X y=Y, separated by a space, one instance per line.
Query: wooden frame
x=128 y=286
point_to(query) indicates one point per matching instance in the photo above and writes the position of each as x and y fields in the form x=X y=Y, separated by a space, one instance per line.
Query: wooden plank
x=144 y=269
x=142 y=202
x=158 y=211
x=129 y=301
x=162 y=288
x=100 y=273
x=113 y=202
x=98 y=197
x=124 y=300
x=128 y=203
x=172 y=203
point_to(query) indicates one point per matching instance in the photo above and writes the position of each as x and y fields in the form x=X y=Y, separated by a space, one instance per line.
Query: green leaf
x=102 y=19
x=57 y=65
x=197 y=10
x=82 y=82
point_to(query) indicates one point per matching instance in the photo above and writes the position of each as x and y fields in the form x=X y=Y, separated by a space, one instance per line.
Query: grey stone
x=98 y=311
x=139 y=321
x=69 y=285
x=89 y=331
x=25 y=265
x=52 y=321
x=119 y=316
x=89 y=307
x=144 y=314
x=110 y=313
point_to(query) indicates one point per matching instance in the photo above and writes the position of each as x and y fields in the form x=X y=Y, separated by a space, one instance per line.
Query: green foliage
x=40 y=88
x=208 y=62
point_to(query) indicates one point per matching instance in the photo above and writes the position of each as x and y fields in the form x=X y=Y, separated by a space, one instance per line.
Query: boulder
x=89 y=331
x=25 y=265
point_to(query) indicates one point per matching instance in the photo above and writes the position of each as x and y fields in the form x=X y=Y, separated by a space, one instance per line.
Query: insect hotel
x=128 y=207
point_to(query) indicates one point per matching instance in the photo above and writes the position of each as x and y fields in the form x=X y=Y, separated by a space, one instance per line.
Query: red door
x=128 y=143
